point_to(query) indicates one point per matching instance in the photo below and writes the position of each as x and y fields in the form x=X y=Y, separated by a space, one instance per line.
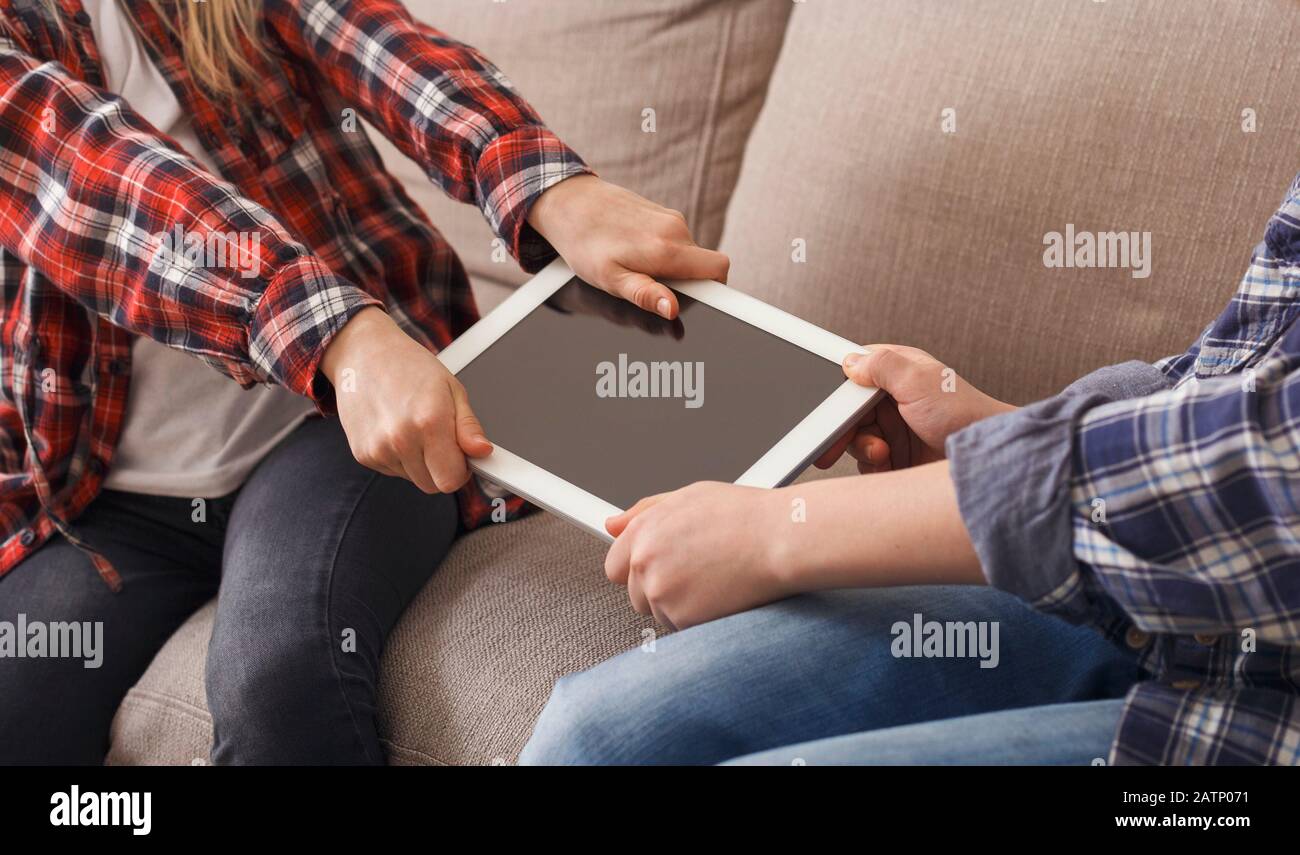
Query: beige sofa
x=825 y=126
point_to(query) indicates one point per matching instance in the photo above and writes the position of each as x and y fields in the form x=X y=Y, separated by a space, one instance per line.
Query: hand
x=927 y=402
x=699 y=553
x=581 y=300
x=403 y=412
x=618 y=241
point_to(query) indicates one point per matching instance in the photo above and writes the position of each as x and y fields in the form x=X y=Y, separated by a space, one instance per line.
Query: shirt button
x=82 y=18
x=1206 y=639
x=1136 y=638
x=1185 y=685
x=96 y=466
x=27 y=538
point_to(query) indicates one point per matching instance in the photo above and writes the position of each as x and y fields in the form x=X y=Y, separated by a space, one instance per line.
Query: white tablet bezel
x=781 y=464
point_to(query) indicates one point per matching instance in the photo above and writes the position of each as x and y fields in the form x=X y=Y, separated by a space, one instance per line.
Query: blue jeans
x=311 y=562
x=1077 y=734
x=814 y=667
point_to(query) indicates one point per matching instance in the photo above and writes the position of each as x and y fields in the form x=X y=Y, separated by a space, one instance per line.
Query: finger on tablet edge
x=830 y=455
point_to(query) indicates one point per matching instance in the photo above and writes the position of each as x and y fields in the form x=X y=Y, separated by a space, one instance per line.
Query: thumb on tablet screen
x=469 y=432
x=643 y=291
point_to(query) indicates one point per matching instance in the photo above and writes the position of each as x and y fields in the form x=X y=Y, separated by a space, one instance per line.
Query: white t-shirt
x=189 y=430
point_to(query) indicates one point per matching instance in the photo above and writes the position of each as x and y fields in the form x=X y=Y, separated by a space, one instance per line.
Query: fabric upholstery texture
x=1109 y=116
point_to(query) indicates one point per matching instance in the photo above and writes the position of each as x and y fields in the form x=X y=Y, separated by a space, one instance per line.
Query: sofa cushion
x=1107 y=116
x=465 y=672
x=591 y=67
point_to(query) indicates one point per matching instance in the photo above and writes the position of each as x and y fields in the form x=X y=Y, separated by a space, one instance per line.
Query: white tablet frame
x=782 y=463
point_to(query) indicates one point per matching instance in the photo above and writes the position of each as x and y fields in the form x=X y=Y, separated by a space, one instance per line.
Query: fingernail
x=852 y=359
x=478 y=437
x=664 y=308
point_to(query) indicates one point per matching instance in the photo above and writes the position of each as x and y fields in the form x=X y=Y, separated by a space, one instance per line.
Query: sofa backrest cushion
x=1174 y=118
x=593 y=68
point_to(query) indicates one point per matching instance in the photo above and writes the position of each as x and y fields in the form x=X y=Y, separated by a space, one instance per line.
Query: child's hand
x=927 y=402
x=700 y=553
x=619 y=242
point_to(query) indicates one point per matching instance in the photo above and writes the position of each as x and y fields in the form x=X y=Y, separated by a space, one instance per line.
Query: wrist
x=364 y=330
x=990 y=407
x=552 y=214
x=787 y=554
x=973 y=407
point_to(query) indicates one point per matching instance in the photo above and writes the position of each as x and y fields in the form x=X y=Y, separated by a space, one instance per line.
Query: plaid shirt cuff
x=1133 y=379
x=1011 y=474
x=512 y=172
x=303 y=307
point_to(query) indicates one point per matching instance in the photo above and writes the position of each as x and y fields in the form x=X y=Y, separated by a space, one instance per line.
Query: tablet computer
x=592 y=403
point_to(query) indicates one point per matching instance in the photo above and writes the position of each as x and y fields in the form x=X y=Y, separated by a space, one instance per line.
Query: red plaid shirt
x=86 y=184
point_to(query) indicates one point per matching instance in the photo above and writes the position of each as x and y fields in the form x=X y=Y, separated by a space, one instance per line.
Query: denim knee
x=584 y=723
x=282 y=703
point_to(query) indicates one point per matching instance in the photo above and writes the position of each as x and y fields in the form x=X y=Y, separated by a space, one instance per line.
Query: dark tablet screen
x=625 y=404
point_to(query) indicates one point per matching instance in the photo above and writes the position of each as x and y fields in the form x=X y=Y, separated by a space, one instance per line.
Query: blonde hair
x=221 y=40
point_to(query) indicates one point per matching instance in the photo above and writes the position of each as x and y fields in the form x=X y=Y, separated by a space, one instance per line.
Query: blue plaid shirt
x=1161 y=503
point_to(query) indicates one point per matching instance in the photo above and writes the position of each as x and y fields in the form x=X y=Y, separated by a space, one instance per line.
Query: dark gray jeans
x=312 y=562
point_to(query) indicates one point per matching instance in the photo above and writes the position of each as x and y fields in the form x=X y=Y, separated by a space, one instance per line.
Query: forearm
x=441 y=102
x=894 y=528
x=263 y=312
x=438 y=99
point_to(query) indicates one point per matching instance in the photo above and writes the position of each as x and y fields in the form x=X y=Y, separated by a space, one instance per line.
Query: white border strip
x=498 y=322
x=768 y=318
x=809 y=439
x=548 y=490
